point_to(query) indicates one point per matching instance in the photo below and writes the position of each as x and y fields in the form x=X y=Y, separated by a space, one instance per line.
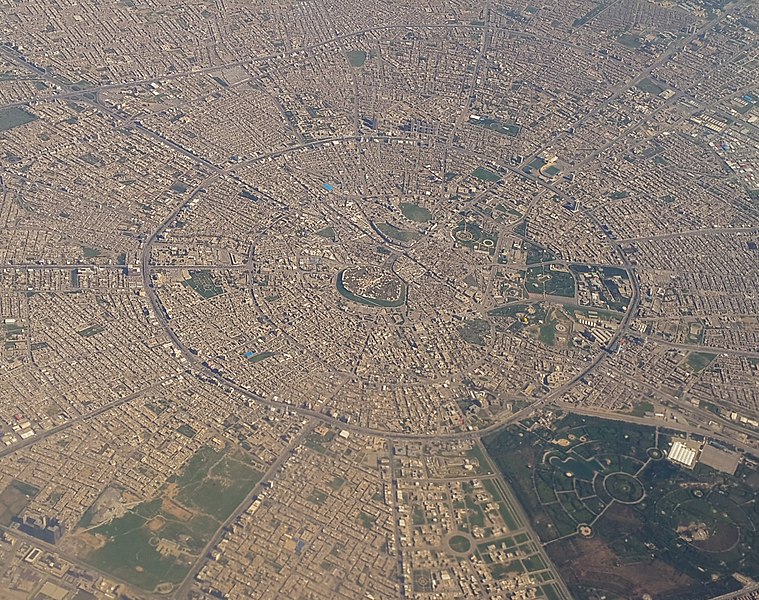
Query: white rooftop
x=682 y=454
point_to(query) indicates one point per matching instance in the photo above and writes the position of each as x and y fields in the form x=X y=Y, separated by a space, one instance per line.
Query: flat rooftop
x=721 y=460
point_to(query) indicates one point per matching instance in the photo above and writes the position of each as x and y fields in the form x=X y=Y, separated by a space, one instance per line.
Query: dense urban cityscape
x=442 y=299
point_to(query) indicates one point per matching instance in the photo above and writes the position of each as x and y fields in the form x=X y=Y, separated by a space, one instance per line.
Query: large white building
x=682 y=454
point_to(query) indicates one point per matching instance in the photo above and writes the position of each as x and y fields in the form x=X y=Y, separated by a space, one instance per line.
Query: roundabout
x=460 y=543
x=624 y=488
x=465 y=236
x=584 y=530
x=707 y=526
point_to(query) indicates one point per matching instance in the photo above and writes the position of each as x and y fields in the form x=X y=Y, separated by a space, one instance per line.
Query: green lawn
x=629 y=41
x=357 y=58
x=186 y=430
x=15 y=117
x=597 y=454
x=367 y=520
x=698 y=361
x=14 y=499
x=261 y=356
x=204 y=284
x=484 y=174
x=337 y=483
x=91 y=252
x=547 y=333
x=460 y=543
x=396 y=233
x=544 y=280
x=91 y=330
x=317 y=497
x=414 y=212
x=327 y=232
x=510 y=129
x=641 y=408
x=223 y=486
x=646 y=85
x=589 y=15
x=128 y=554
x=537 y=254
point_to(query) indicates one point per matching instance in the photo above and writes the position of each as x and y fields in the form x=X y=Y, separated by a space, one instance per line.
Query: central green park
x=620 y=520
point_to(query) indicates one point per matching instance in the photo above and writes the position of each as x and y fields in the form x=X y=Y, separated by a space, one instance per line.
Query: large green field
x=652 y=527
x=204 y=284
x=15 y=117
x=357 y=58
x=486 y=175
x=155 y=543
x=396 y=233
x=91 y=330
x=544 y=280
x=14 y=499
x=629 y=41
x=698 y=361
x=327 y=232
x=537 y=254
x=504 y=128
x=646 y=85
x=414 y=212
